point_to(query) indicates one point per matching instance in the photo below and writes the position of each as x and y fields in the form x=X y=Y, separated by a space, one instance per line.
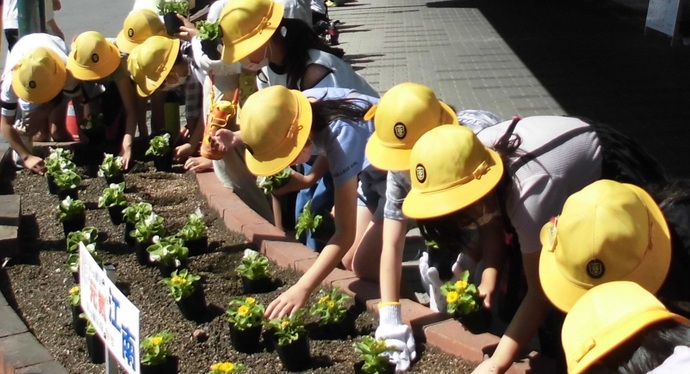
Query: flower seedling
x=461 y=296
x=245 y=313
x=136 y=212
x=93 y=127
x=113 y=195
x=67 y=179
x=58 y=160
x=270 y=183
x=70 y=209
x=148 y=227
x=226 y=368
x=307 y=221
x=254 y=266
x=73 y=258
x=159 y=145
x=208 y=30
x=168 y=251
x=111 y=166
x=180 y=7
x=371 y=352
x=289 y=328
x=194 y=228
x=90 y=328
x=331 y=307
x=74 y=296
x=154 y=350
x=181 y=284
x=87 y=235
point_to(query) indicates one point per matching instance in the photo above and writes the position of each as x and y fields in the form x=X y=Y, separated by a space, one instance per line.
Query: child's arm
x=130 y=105
x=300 y=181
x=55 y=29
x=493 y=254
x=185 y=150
x=31 y=162
x=345 y=224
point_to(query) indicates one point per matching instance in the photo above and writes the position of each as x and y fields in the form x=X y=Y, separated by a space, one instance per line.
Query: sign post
x=114 y=317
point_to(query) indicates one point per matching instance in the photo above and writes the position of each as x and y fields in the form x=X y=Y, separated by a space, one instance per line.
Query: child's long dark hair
x=298 y=39
x=349 y=110
x=646 y=350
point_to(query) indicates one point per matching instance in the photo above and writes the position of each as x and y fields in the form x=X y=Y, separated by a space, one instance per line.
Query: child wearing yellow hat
x=521 y=172
x=282 y=127
x=618 y=327
x=34 y=84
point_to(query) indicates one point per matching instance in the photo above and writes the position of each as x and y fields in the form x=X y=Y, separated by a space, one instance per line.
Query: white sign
x=662 y=16
x=115 y=318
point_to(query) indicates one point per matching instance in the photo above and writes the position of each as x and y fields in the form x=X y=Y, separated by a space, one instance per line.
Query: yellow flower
x=250 y=300
x=243 y=310
x=178 y=280
x=461 y=286
x=331 y=304
x=452 y=297
x=284 y=324
x=324 y=299
x=156 y=340
x=74 y=290
x=226 y=367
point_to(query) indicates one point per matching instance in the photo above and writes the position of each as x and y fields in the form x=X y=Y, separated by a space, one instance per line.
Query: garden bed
x=37 y=284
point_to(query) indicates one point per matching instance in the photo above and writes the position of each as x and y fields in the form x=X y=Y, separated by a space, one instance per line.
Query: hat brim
x=620 y=333
x=396 y=159
x=148 y=86
x=123 y=43
x=50 y=91
x=424 y=205
x=245 y=47
x=650 y=274
x=89 y=74
x=281 y=161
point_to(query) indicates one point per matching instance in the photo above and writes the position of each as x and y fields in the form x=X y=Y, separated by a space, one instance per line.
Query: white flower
x=250 y=253
x=151 y=219
x=198 y=213
x=67 y=202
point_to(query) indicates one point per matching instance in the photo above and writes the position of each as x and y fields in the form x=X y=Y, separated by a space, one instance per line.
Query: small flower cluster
x=226 y=368
x=254 y=266
x=331 y=307
x=111 y=166
x=181 y=283
x=289 y=328
x=245 y=313
x=153 y=348
x=70 y=209
x=461 y=296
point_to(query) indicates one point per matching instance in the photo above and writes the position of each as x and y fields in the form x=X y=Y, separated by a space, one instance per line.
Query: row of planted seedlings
x=145 y=232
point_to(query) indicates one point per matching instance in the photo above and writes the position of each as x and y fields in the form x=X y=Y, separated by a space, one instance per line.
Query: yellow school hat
x=150 y=62
x=92 y=57
x=247 y=25
x=449 y=170
x=39 y=76
x=608 y=231
x=139 y=25
x=606 y=317
x=275 y=123
x=404 y=113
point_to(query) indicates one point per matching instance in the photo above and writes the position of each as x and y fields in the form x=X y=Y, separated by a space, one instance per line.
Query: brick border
x=435 y=329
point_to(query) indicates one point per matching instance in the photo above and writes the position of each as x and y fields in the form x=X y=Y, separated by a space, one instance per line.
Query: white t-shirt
x=297 y=9
x=10 y=14
x=342 y=75
x=25 y=45
x=557 y=157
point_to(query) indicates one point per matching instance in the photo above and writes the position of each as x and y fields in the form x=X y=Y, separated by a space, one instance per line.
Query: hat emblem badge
x=420 y=173
x=400 y=130
x=94 y=57
x=596 y=269
x=130 y=32
x=32 y=84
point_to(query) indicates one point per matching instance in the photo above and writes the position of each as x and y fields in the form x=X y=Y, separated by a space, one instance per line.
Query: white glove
x=432 y=281
x=397 y=335
x=217 y=67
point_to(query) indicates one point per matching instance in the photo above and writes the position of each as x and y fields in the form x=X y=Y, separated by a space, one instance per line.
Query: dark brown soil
x=37 y=284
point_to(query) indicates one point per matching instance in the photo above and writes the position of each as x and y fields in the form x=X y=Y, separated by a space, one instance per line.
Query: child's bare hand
x=224 y=139
x=182 y=152
x=35 y=164
x=187 y=30
x=287 y=303
x=198 y=164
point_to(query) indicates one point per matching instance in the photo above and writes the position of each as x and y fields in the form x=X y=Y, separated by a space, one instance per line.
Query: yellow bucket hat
x=604 y=318
x=450 y=169
x=92 y=57
x=275 y=124
x=247 y=25
x=608 y=231
x=39 y=76
x=139 y=25
x=403 y=114
x=150 y=62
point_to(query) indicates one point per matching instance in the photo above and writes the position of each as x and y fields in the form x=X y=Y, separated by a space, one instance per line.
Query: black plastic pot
x=115 y=213
x=128 y=238
x=477 y=322
x=210 y=48
x=52 y=187
x=96 y=348
x=142 y=253
x=117 y=179
x=295 y=356
x=73 y=224
x=252 y=286
x=78 y=324
x=333 y=331
x=166 y=270
x=194 y=306
x=172 y=23
x=71 y=192
x=389 y=370
x=170 y=366
x=247 y=340
x=163 y=163
x=198 y=246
